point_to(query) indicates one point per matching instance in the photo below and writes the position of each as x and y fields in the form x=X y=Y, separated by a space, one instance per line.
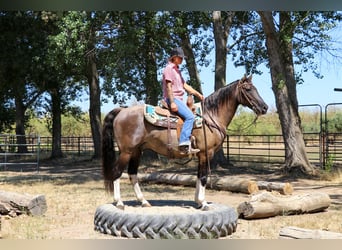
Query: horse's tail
x=108 y=153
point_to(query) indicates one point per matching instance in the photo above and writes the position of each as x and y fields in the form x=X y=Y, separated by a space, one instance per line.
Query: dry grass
x=74 y=190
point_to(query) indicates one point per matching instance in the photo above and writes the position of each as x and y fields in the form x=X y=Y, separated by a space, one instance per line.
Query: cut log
x=14 y=204
x=229 y=183
x=282 y=188
x=302 y=233
x=266 y=204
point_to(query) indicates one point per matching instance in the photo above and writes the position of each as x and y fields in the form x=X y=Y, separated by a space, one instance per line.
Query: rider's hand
x=201 y=97
x=174 y=107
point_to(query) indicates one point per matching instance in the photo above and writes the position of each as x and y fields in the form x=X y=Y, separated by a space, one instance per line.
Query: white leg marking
x=200 y=193
x=137 y=190
x=117 y=195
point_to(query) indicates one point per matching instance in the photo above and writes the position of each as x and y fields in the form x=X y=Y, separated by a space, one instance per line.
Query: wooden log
x=302 y=233
x=14 y=204
x=229 y=183
x=266 y=204
x=282 y=188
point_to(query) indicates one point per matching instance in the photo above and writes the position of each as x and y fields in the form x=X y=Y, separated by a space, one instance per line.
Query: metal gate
x=332 y=139
x=323 y=143
x=11 y=155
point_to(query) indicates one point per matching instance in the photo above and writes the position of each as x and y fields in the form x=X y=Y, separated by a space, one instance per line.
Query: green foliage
x=334 y=123
x=329 y=163
x=71 y=125
x=242 y=123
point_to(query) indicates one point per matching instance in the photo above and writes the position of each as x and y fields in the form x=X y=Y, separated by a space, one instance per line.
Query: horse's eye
x=248 y=87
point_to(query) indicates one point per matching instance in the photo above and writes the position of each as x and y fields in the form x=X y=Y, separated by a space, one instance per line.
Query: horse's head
x=248 y=96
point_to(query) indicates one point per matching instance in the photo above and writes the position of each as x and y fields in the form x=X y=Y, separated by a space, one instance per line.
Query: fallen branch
x=229 y=183
x=302 y=233
x=282 y=188
x=14 y=204
x=265 y=204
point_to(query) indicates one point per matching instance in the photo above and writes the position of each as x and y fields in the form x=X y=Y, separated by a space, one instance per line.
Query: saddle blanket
x=159 y=116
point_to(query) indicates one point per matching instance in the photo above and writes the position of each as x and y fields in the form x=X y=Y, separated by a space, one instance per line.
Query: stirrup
x=187 y=150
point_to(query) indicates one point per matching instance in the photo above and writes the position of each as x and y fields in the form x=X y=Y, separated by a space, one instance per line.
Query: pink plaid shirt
x=173 y=74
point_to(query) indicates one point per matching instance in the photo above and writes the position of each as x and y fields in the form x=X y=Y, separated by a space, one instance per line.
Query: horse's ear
x=243 y=79
x=250 y=78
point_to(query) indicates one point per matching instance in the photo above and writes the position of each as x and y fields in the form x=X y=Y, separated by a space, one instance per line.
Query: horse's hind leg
x=120 y=165
x=132 y=172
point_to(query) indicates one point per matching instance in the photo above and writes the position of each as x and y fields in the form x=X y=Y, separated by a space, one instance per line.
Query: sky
x=312 y=91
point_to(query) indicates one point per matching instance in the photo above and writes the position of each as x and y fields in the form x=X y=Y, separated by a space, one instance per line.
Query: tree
x=188 y=27
x=21 y=47
x=137 y=53
x=222 y=24
x=63 y=62
x=287 y=36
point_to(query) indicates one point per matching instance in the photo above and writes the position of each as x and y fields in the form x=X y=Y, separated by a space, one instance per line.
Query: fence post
x=38 y=153
x=227 y=150
x=79 y=146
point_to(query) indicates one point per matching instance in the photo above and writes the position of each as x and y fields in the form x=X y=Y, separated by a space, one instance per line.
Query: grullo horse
x=132 y=133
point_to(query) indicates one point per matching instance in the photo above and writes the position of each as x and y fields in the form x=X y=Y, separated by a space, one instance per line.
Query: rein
x=242 y=91
x=206 y=144
x=245 y=128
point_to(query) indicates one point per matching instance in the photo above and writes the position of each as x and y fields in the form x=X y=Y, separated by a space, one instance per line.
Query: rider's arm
x=190 y=90
x=173 y=105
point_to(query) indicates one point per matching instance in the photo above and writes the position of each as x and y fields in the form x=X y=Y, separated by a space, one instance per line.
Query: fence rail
x=270 y=148
x=19 y=150
x=237 y=148
x=322 y=147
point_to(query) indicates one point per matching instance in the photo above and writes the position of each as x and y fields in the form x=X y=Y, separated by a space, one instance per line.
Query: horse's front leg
x=201 y=183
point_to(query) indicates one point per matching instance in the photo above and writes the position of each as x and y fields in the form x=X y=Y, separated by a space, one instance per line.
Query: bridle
x=242 y=92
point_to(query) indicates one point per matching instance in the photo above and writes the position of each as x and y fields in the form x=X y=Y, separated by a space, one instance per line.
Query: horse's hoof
x=146 y=204
x=120 y=206
x=204 y=207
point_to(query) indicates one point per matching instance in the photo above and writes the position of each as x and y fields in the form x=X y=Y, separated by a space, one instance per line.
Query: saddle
x=163 y=117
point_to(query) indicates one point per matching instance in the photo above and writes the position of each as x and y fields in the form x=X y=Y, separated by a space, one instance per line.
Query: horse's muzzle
x=261 y=109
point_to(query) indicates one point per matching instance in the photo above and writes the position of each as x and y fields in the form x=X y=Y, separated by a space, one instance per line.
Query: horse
x=133 y=134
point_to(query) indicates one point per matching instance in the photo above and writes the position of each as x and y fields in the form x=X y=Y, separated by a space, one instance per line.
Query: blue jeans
x=189 y=118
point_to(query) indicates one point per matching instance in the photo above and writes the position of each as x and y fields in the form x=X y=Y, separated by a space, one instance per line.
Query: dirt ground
x=71 y=221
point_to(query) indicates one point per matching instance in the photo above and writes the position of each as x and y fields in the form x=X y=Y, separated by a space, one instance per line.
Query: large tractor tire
x=166 y=220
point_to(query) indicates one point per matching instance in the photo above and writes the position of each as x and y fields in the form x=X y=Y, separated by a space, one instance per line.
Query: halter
x=242 y=92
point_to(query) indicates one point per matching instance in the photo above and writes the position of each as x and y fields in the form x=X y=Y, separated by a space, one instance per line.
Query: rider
x=174 y=87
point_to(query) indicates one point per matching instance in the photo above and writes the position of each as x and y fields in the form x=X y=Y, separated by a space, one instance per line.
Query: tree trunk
x=195 y=80
x=56 y=124
x=279 y=51
x=265 y=204
x=302 y=233
x=221 y=32
x=94 y=96
x=151 y=82
x=229 y=183
x=20 y=125
x=14 y=204
x=221 y=36
x=282 y=188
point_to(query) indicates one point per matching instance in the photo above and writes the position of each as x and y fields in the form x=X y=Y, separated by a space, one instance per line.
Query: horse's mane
x=218 y=98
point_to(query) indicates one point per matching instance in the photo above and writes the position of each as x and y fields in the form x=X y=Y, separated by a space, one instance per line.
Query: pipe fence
x=19 y=151
x=322 y=146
